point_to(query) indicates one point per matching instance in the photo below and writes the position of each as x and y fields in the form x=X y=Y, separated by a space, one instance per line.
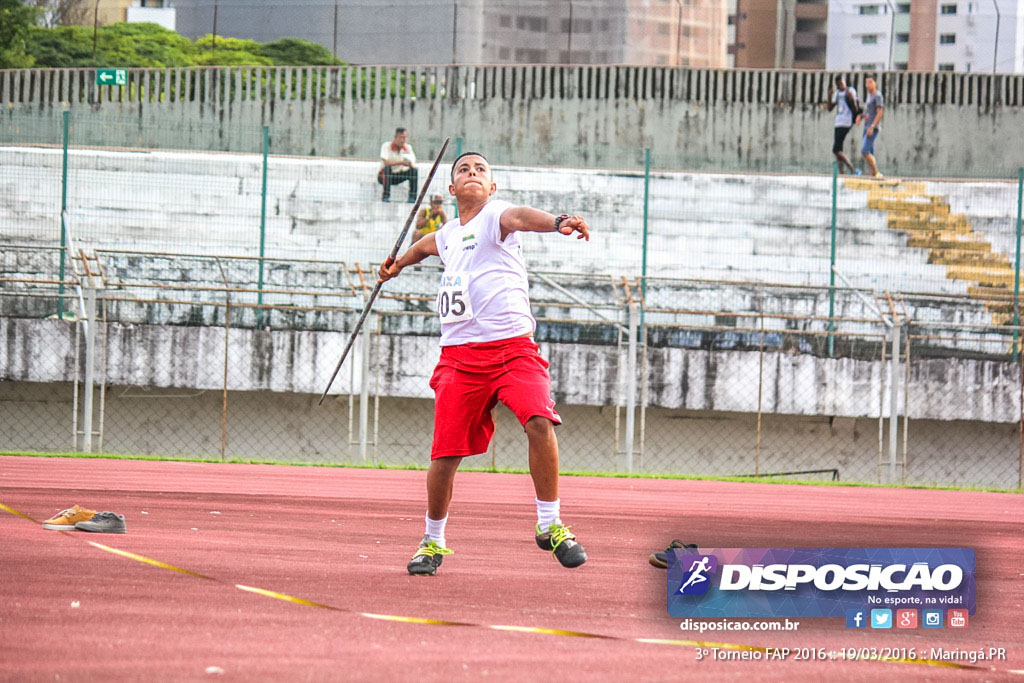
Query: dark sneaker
x=385 y=199
x=428 y=558
x=562 y=544
x=103 y=523
x=660 y=560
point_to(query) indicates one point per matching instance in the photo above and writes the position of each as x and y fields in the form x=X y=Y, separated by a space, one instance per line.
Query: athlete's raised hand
x=575 y=224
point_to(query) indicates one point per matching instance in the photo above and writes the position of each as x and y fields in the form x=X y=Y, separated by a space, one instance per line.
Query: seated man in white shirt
x=398 y=165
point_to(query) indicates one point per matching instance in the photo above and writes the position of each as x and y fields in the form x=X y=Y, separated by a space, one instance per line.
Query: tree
x=129 y=45
x=61 y=47
x=298 y=52
x=146 y=44
x=16 y=18
x=228 y=52
x=151 y=45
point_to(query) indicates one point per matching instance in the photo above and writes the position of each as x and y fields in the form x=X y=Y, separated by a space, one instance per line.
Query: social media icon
x=957 y=618
x=906 y=618
x=931 y=618
x=881 y=618
x=856 y=618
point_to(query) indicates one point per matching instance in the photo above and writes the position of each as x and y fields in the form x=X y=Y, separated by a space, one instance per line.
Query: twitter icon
x=881 y=618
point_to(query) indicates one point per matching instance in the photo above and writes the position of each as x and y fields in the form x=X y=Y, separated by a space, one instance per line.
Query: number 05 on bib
x=453 y=303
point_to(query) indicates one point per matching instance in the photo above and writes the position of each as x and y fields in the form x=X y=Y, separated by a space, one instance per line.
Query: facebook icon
x=856 y=618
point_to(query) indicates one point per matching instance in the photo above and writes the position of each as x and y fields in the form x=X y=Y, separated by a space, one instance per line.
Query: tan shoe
x=65 y=519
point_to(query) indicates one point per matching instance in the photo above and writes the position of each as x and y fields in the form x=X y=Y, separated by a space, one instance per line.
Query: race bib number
x=453 y=299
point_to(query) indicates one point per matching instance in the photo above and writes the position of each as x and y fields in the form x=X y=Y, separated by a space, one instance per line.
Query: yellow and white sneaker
x=65 y=519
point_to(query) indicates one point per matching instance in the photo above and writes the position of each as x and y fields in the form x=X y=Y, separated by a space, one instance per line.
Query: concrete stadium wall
x=164 y=397
x=936 y=124
x=298 y=361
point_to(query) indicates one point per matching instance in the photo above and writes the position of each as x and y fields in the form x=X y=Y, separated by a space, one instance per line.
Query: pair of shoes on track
x=82 y=519
x=660 y=559
x=557 y=540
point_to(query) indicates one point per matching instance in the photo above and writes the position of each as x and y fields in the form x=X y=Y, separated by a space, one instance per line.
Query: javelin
x=391 y=258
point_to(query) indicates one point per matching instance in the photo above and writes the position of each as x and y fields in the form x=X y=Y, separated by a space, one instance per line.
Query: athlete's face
x=472 y=177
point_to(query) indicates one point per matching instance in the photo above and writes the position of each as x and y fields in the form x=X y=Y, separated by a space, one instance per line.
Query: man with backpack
x=848 y=113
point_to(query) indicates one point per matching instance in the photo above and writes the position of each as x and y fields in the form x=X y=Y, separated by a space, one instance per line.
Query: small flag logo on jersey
x=468 y=237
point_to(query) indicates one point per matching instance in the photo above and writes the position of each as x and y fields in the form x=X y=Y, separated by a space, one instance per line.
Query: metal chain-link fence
x=193 y=367
x=716 y=324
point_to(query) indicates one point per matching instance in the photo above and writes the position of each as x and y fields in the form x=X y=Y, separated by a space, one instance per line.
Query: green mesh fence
x=763 y=308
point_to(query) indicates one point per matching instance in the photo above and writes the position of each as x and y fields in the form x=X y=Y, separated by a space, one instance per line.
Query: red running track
x=340 y=538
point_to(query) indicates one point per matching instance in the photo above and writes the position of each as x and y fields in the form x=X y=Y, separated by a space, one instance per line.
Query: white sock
x=547 y=512
x=435 y=529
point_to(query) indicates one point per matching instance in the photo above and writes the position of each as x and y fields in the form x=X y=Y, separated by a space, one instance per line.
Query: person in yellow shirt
x=431 y=219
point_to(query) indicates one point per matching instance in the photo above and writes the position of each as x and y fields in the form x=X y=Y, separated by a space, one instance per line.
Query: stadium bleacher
x=706 y=226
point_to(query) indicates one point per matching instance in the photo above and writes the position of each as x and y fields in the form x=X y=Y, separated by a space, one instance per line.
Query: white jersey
x=844 y=117
x=484 y=292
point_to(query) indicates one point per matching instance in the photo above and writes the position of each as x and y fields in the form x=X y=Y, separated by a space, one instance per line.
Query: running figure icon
x=697 y=573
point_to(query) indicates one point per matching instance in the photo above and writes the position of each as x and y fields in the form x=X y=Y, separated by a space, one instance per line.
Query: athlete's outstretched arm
x=528 y=219
x=421 y=249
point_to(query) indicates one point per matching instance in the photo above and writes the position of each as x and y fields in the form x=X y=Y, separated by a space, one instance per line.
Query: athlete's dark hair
x=464 y=154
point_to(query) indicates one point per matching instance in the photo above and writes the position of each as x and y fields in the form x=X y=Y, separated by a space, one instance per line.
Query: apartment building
x=678 y=33
x=648 y=32
x=927 y=35
x=780 y=34
x=106 y=12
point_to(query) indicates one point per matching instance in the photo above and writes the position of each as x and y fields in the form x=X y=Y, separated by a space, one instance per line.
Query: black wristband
x=559 y=219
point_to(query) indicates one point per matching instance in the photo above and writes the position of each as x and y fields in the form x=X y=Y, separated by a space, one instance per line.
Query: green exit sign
x=111 y=76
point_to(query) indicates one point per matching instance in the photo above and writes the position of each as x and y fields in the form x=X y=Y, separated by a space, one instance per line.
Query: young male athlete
x=488 y=353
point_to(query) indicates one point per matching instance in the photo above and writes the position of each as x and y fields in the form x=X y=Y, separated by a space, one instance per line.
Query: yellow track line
x=146 y=560
x=18 y=514
x=552 y=632
x=285 y=597
x=413 y=620
x=699 y=643
x=496 y=627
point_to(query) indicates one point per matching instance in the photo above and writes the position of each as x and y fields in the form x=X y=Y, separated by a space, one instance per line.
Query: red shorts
x=468 y=382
